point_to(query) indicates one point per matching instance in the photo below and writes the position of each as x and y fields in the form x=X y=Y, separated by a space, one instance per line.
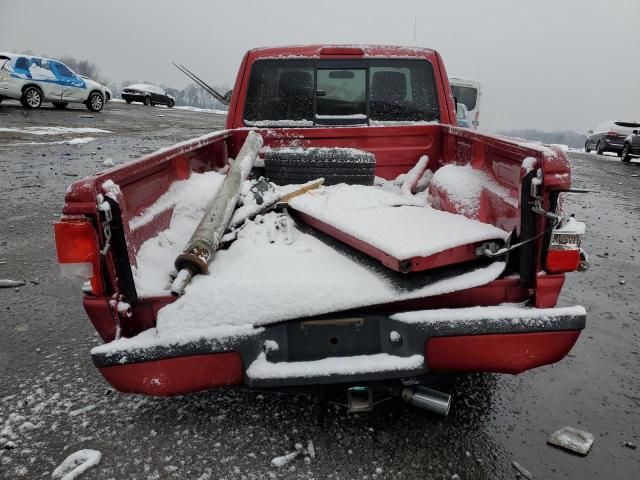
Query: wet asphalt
x=53 y=402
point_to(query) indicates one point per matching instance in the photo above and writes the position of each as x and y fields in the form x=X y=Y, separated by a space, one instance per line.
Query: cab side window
x=21 y=66
x=40 y=69
x=63 y=70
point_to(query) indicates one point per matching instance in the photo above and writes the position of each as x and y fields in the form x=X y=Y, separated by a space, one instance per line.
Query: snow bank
x=76 y=464
x=72 y=141
x=203 y=110
x=400 y=225
x=279 y=123
x=53 y=130
x=463 y=185
x=381 y=362
x=196 y=109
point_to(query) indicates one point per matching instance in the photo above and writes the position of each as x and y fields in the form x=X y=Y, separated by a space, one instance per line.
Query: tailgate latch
x=105 y=208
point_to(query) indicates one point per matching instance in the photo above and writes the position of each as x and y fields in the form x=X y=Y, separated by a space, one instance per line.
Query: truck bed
x=250 y=291
x=279 y=269
x=143 y=213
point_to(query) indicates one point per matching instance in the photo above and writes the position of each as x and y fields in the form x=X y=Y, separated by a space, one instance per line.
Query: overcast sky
x=549 y=64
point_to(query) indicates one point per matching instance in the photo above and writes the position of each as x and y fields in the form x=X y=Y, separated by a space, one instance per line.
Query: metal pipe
x=204 y=242
x=428 y=399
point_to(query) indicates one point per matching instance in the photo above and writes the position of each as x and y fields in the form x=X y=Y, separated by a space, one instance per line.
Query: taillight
x=342 y=51
x=564 y=254
x=612 y=133
x=78 y=255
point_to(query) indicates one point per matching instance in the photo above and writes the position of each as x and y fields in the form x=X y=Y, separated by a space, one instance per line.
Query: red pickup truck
x=270 y=321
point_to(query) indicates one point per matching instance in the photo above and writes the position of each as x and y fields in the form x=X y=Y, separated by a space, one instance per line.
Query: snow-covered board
x=401 y=231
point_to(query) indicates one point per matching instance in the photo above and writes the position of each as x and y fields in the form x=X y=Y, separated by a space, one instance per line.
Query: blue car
x=34 y=80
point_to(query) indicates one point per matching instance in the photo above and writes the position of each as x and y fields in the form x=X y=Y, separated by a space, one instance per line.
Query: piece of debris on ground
x=309 y=453
x=76 y=464
x=522 y=471
x=572 y=439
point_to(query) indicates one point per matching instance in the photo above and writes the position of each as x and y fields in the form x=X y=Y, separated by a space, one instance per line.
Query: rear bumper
x=503 y=339
x=133 y=97
x=614 y=144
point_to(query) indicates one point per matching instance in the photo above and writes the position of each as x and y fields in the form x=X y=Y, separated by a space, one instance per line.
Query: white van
x=34 y=80
x=468 y=92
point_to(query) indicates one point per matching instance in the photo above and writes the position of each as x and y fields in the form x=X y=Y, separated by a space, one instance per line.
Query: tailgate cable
x=486 y=249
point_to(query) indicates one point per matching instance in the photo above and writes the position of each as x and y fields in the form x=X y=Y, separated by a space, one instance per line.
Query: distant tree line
x=191 y=95
x=566 y=137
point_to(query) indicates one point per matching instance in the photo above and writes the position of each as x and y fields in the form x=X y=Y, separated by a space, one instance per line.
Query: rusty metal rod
x=199 y=251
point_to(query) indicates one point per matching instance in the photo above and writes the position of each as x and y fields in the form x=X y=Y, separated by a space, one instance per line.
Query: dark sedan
x=147 y=94
x=631 y=147
x=609 y=136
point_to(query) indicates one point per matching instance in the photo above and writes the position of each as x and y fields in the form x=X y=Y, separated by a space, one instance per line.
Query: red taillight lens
x=611 y=133
x=77 y=248
x=559 y=261
x=564 y=250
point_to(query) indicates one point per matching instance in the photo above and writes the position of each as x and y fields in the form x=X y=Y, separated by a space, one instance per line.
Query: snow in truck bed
x=274 y=272
x=400 y=225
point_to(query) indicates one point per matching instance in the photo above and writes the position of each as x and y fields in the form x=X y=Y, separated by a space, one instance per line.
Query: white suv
x=34 y=80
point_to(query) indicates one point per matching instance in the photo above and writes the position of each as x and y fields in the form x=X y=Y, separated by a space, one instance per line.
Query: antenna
x=218 y=96
x=415 y=29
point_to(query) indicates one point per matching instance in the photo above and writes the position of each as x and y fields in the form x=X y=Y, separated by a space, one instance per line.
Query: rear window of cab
x=340 y=92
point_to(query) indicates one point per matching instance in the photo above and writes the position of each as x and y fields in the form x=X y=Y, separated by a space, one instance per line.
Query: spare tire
x=286 y=166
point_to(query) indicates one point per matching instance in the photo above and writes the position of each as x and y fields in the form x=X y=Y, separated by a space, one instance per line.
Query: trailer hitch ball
x=395 y=338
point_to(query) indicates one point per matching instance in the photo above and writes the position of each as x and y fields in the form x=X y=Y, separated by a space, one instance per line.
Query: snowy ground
x=54 y=403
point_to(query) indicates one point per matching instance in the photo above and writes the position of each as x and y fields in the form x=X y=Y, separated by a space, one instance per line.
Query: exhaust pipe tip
x=428 y=399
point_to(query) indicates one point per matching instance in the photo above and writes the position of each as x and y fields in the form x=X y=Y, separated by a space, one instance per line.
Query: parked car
x=400 y=319
x=468 y=92
x=147 y=94
x=609 y=136
x=34 y=80
x=462 y=114
x=631 y=147
x=107 y=91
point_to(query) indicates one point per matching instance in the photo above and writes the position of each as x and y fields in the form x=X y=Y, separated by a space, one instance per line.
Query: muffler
x=428 y=399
